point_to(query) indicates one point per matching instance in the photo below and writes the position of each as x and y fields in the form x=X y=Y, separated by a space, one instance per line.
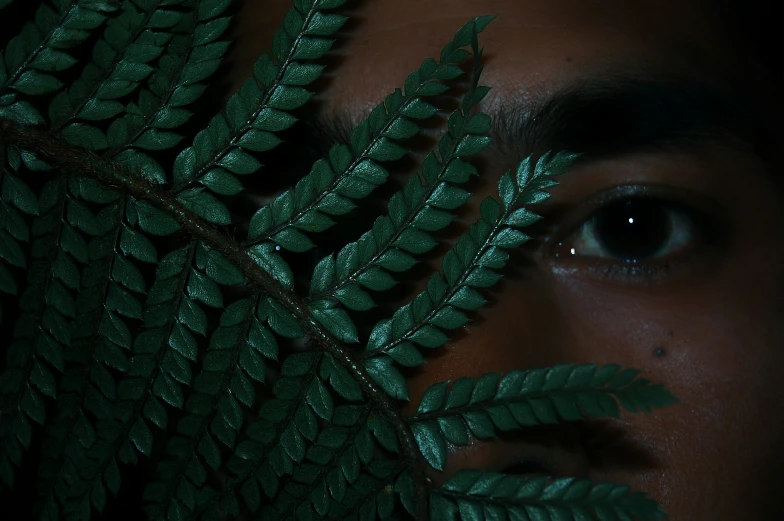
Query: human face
x=708 y=325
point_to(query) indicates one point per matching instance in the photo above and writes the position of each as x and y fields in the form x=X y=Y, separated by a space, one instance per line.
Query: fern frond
x=25 y=65
x=467 y=266
x=335 y=473
x=16 y=198
x=178 y=81
x=153 y=376
x=58 y=26
x=109 y=252
x=471 y=494
x=352 y=172
x=216 y=409
x=265 y=411
x=372 y=496
x=524 y=399
x=422 y=207
x=58 y=246
x=280 y=317
x=120 y=62
x=286 y=435
x=274 y=443
x=107 y=298
x=332 y=466
x=261 y=106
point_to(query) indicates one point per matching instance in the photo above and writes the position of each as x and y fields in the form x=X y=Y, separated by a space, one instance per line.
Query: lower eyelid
x=621 y=273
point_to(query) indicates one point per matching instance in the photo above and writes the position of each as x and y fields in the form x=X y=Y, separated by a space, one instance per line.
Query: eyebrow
x=607 y=115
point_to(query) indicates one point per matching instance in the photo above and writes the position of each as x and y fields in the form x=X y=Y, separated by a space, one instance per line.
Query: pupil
x=632 y=229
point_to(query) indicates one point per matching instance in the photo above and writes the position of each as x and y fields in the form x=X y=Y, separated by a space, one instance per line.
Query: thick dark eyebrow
x=608 y=115
x=611 y=116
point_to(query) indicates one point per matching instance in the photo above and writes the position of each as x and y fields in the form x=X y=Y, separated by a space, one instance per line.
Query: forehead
x=534 y=46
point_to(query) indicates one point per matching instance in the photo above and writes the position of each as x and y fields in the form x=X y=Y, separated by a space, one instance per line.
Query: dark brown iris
x=633 y=229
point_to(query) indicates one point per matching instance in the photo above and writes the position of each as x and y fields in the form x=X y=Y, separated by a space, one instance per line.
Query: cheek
x=713 y=346
x=717 y=348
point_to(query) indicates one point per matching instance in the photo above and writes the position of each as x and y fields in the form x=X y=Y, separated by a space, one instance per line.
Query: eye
x=634 y=230
x=632 y=234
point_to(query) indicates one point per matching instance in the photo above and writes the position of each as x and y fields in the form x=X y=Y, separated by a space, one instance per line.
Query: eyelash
x=705 y=230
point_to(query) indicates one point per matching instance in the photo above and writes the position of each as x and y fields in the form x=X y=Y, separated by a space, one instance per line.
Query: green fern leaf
x=16 y=199
x=276 y=440
x=522 y=399
x=177 y=83
x=58 y=245
x=39 y=46
x=471 y=494
x=260 y=107
x=422 y=207
x=146 y=217
x=236 y=355
x=120 y=62
x=154 y=377
x=352 y=172
x=102 y=333
x=340 y=468
x=469 y=264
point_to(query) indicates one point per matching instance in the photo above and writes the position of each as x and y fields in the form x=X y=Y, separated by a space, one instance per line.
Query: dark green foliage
x=477 y=407
x=147 y=334
x=471 y=494
x=423 y=206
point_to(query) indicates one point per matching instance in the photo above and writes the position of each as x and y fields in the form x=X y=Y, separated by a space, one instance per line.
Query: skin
x=709 y=329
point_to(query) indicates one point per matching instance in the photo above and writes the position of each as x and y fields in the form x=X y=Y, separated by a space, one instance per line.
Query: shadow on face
x=661 y=250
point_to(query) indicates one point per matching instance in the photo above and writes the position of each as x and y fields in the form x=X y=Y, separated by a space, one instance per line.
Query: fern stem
x=87 y=163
